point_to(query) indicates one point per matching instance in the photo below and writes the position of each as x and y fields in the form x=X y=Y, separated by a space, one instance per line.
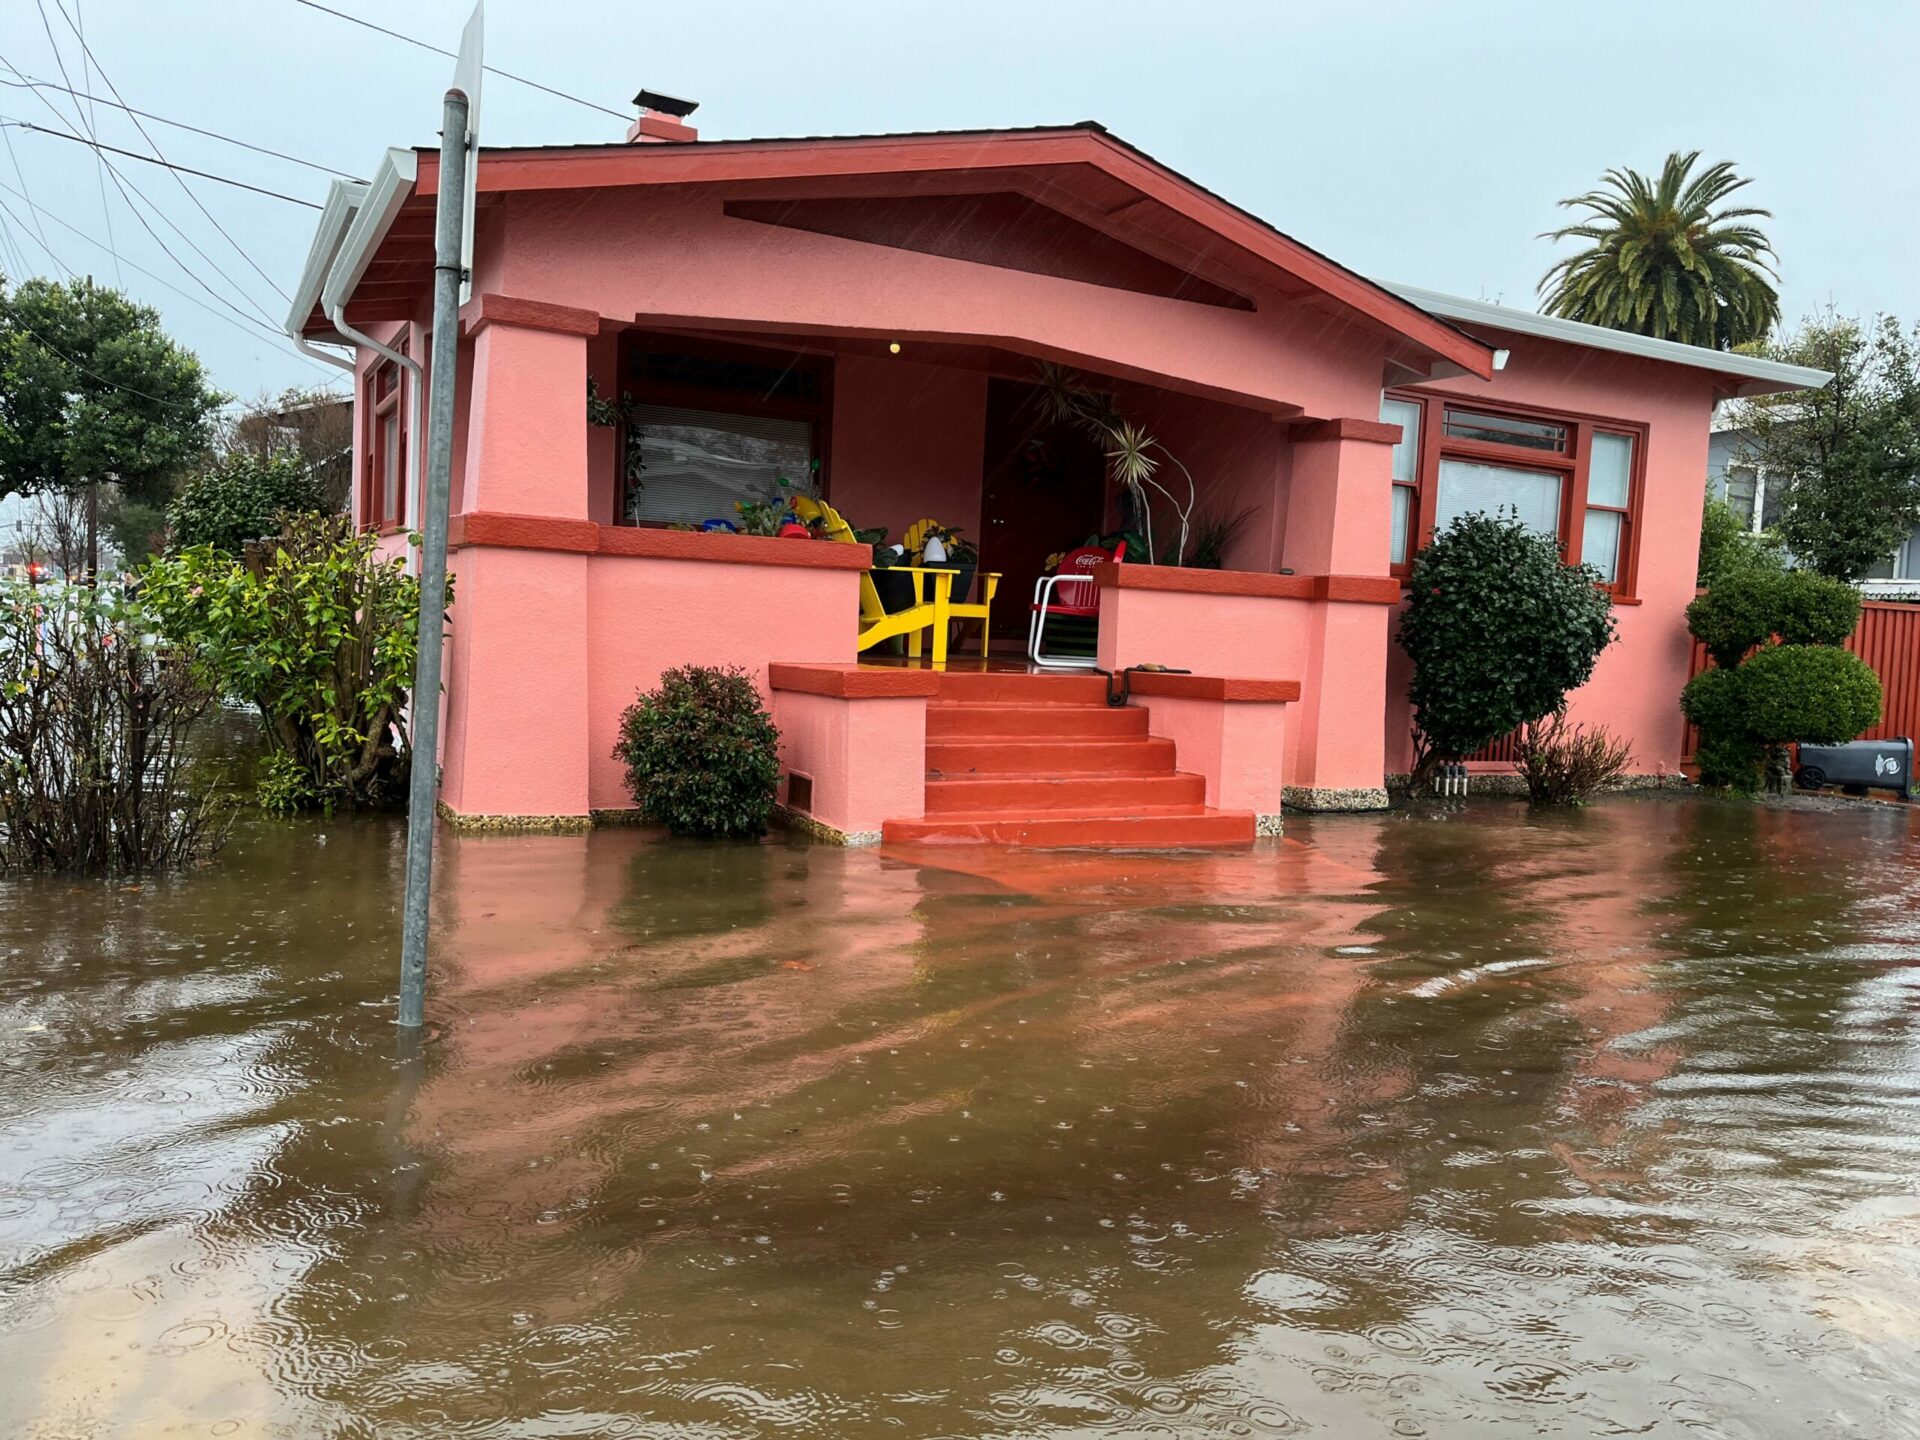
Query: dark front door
x=1045 y=491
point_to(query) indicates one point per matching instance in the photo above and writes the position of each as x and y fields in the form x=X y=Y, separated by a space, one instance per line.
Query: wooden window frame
x=817 y=412
x=385 y=389
x=1572 y=465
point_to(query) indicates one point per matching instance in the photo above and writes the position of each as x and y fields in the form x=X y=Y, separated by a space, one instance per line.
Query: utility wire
x=490 y=69
x=181 y=125
x=106 y=214
x=158 y=280
x=21 y=176
x=163 y=164
x=128 y=190
x=154 y=145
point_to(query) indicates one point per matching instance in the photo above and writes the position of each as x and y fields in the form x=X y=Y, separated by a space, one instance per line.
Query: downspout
x=336 y=313
x=307 y=347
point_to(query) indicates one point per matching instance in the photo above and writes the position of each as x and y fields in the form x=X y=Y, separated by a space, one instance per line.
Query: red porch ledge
x=853 y=682
x=1351 y=589
x=495 y=530
x=1213 y=687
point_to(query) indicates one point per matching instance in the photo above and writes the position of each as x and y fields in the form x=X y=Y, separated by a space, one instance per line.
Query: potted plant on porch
x=946 y=549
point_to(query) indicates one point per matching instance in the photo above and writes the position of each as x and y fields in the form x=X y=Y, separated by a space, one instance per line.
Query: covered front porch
x=605 y=567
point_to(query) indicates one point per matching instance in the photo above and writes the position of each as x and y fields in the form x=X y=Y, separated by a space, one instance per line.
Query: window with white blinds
x=1530 y=496
x=698 y=463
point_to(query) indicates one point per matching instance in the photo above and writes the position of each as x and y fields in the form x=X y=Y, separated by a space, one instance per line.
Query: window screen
x=700 y=462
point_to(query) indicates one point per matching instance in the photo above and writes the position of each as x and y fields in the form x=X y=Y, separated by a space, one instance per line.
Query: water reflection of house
x=884 y=308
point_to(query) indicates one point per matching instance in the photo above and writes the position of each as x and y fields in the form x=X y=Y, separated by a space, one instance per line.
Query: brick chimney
x=663 y=120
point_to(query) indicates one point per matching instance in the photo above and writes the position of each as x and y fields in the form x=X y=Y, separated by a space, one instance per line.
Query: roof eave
x=1740 y=375
x=392 y=185
x=343 y=201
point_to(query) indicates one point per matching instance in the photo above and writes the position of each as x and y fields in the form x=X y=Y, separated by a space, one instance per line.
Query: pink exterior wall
x=645 y=616
x=672 y=257
x=908 y=443
x=866 y=757
x=1240 y=748
x=1635 y=691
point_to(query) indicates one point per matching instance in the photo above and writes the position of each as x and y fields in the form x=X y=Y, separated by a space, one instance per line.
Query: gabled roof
x=1742 y=374
x=1085 y=167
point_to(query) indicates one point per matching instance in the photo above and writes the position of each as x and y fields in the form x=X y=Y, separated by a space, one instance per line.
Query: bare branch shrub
x=96 y=772
x=1563 y=764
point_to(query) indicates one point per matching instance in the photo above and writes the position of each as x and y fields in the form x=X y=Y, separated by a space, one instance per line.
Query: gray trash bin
x=1859 y=764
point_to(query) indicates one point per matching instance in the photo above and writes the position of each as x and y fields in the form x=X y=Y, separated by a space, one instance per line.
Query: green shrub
x=702 y=754
x=1812 y=609
x=1735 y=615
x=1813 y=693
x=1728 y=547
x=318 y=632
x=242 y=497
x=1729 y=759
x=1499 y=629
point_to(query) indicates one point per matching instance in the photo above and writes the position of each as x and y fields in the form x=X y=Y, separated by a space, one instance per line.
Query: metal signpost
x=452 y=265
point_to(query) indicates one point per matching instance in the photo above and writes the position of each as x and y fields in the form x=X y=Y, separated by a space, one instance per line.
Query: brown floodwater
x=1477 y=1124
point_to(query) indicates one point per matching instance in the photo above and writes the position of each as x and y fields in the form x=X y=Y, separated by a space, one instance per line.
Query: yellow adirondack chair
x=931 y=601
x=916 y=540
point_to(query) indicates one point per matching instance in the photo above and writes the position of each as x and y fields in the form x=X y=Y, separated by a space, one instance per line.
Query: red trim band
x=1346 y=428
x=493 y=530
x=1169 y=579
x=495 y=309
x=853 y=682
x=1213 y=687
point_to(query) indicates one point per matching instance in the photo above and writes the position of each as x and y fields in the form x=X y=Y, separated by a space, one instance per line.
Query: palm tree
x=1664 y=262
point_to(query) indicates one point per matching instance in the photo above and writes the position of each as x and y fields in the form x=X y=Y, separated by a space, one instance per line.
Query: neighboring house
x=1757 y=498
x=313 y=425
x=876 y=310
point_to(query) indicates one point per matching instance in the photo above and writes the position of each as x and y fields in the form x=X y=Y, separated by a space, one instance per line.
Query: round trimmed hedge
x=702 y=754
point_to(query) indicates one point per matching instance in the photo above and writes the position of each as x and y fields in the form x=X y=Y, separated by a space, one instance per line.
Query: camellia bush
x=1500 y=628
x=318 y=632
x=1778 y=675
x=702 y=754
x=98 y=774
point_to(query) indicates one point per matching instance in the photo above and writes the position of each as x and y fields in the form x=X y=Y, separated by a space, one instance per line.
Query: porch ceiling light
x=893 y=347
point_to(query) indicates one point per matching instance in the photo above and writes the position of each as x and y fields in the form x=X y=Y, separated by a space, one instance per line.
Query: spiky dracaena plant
x=1664 y=261
x=1129 y=448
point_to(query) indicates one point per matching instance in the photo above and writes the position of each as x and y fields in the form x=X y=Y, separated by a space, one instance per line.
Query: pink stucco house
x=875 y=310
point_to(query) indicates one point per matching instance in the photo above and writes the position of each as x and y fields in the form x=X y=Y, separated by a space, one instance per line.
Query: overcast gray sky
x=1418 y=142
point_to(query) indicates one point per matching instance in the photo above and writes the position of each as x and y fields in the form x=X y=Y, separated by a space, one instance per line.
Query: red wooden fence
x=1888 y=639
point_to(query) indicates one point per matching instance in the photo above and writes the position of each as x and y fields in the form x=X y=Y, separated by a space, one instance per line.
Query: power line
x=490 y=69
x=163 y=164
x=14 y=322
x=158 y=280
x=154 y=145
x=128 y=190
x=181 y=125
x=106 y=214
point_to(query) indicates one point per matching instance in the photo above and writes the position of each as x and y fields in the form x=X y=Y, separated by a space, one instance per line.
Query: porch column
x=516 y=745
x=1339 y=520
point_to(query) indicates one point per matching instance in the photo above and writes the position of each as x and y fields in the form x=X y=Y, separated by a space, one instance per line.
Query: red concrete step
x=1020 y=794
x=1133 y=755
x=1205 y=829
x=950 y=718
x=1014 y=687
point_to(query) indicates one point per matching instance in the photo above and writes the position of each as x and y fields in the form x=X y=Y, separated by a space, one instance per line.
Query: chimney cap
x=666 y=104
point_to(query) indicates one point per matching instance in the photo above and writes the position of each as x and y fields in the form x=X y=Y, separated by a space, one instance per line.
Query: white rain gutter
x=1748 y=374
x=378 y=204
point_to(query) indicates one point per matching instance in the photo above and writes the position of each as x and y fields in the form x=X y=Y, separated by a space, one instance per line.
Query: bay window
x=1573 y=478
